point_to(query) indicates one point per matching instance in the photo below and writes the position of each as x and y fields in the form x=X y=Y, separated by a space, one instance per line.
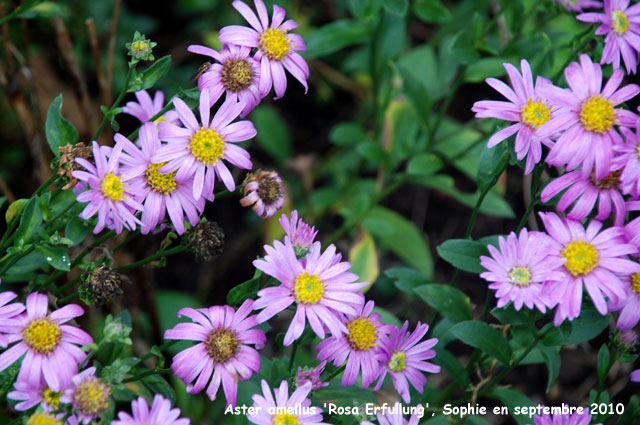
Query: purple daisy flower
x=299 y=406
x=160 y=413
x=629 y=306
x=586 y=123
x=584 y=191
x=594 y=258
x=322 y=288
x=46 y=418
x=519 y=269
x=146 y=108
x=109 y=193
x=394 y=416
x=8 y=312
x=224 y=337
x=580 y=5
x=198 y=150
x=164 y=194
x=88 y=394
x=627 y=161
x=276 y=46
x=236 y=73
x=265 y=191
x=564 y=419
x=312 y=376
x=635 y=375
x=358 y=346
x=403 y=357
x=632 y=228
x=299 y=233
x=621 y=24
x=51 y=347
x=526 y=107
x=30 y=396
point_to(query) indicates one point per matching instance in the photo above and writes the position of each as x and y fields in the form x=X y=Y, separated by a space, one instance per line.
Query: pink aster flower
x=29 y=396
x=160 y=413
x=393 y=415
x=265 y=191
x=358 y=346
x=584 y=191
x=580 y=5
x=621 y=23
x=294 y=409
x=109 y=193
x=236 y=73
x=8 y=312
x=564 y=419
x=223 y=350
x=322 y=288
x=299 y=233
x=304 y=375
x=51 y=347
x=635 y=375
x=519 y=269
x=276 y=46
x=586 y=123
x=198 y=149
x=594 y=258
x=146 y=108
x=629 y=306
x=88 y=394
x=627 y=161
x=164 y=194
x=403 y=358
x=526 y=107
x=632 y=228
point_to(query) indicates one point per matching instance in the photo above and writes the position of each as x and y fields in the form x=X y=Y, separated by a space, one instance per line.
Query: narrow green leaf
x=513 y=399
x=463 y=254
x=56 y=256
x=45 y=9
x=29 y=222
x=334 y=36
x=450 y=302
x=273 y=132
x=406 y=279
x=484 y=337
x=451 y=365
x=553 y=361
x=432 y=11
x=424 y=164
x=76 y=230
x=150 y=76
x=492 y=163
x=241 y=292
x=15 y=209
x=347 y=134
x=158 y=385
x=397 y=7
x=59 y=131
x=603 y=363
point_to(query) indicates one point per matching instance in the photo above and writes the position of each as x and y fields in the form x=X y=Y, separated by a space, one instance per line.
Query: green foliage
x=59 y=130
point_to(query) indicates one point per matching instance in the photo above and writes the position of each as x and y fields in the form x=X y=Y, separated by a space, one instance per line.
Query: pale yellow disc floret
x=361 y=334
x=308 y=289
x=582 y=257
x=597 y=114
x=207 y=146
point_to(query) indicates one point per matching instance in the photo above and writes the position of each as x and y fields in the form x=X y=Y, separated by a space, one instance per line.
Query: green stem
x=336 y=373
x=128 y=239
x=116 y=103
x=156 y=256
x=18 y=10
x=145 y=374
x=163 y=347
x=535 y=189
x=64 y=300
x=293 y=355
x=12 y=260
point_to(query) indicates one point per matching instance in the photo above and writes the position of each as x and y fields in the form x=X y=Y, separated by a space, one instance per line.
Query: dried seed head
x=103 y=285
x=68 y=164
x=206 y=240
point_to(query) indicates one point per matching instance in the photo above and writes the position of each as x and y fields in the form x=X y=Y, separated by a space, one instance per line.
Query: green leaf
x=387 y=317
x=432 y=11
x=59 y=130
x=603 y=363
x=480 y=70
x=76 y=230
x=484 y=337
x=347 y=134
x=273 y=132
x=451 y=365
x=334 y=36
x=243 y=291
x=450 y=302
x=168 y=303
x=364 y=259
x=424 y=164
x=512 y=399
x=45 y=9
x=463 y=254
x=29 y=222
x=401 y=236
x=587 y=326
x=407 y=279
x=15 y=209
x=397 y=7
x=364 y=9
x=511 y=316
x=492 y=164
x=30 y=262
x=150 y=76
x=56 y=256
x=158 y=385
x=553 y=361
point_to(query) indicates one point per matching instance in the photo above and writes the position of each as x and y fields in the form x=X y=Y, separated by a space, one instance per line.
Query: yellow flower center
x=112 y=187
x=91 y=397
x=51 y=398
x=308 y=289
x=582 y=257
x=597 y=114
x=43 y=418
x=274 y=43
x=160 y=183
x=606 y=183
x=361 y=334
x=619 y=22
x=236 y=75
x=396 y=364
x=635 y=283
x=42 y=335
x=222 y=344
x=284 y=419
x=520 y=276
x=534 y=114
x=207 y=146
x=138 y=46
